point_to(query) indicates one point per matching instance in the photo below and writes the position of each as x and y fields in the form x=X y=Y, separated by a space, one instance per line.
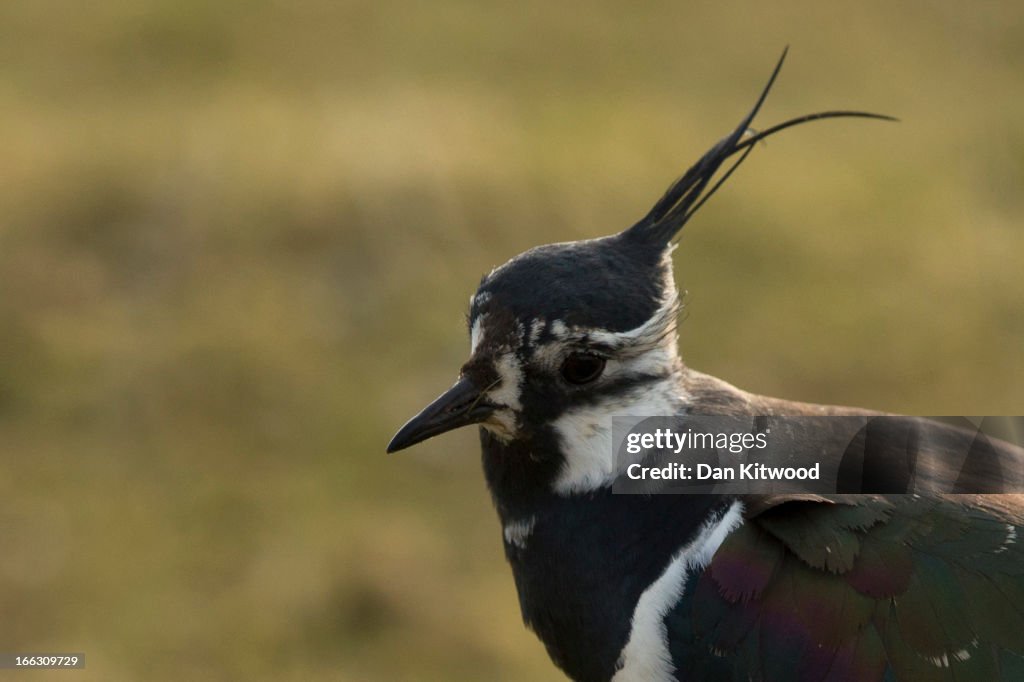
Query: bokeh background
x=237 y=240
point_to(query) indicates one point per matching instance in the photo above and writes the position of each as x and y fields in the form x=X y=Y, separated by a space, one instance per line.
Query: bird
x=875 y=582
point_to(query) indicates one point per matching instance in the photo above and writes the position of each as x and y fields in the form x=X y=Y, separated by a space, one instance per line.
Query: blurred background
x=237 y=240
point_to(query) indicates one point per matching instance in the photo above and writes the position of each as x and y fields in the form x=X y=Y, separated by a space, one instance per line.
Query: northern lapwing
x=811 y=587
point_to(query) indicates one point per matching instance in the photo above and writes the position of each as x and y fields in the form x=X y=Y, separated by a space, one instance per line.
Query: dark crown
x=616 y=283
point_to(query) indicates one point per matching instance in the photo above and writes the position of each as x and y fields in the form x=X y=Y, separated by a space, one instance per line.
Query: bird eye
x=582 y=368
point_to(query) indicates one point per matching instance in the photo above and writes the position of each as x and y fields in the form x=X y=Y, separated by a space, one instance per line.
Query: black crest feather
x=687 y=194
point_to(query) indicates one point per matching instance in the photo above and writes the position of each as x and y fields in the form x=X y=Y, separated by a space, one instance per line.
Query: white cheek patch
x=586 y=441
x=585 y=434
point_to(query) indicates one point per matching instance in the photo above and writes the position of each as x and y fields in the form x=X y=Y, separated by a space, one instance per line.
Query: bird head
x=565 y=335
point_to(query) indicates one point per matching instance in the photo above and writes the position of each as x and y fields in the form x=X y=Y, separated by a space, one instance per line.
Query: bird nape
x=809 y=587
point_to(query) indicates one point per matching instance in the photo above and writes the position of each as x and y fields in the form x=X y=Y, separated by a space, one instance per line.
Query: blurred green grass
x=236 y=241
